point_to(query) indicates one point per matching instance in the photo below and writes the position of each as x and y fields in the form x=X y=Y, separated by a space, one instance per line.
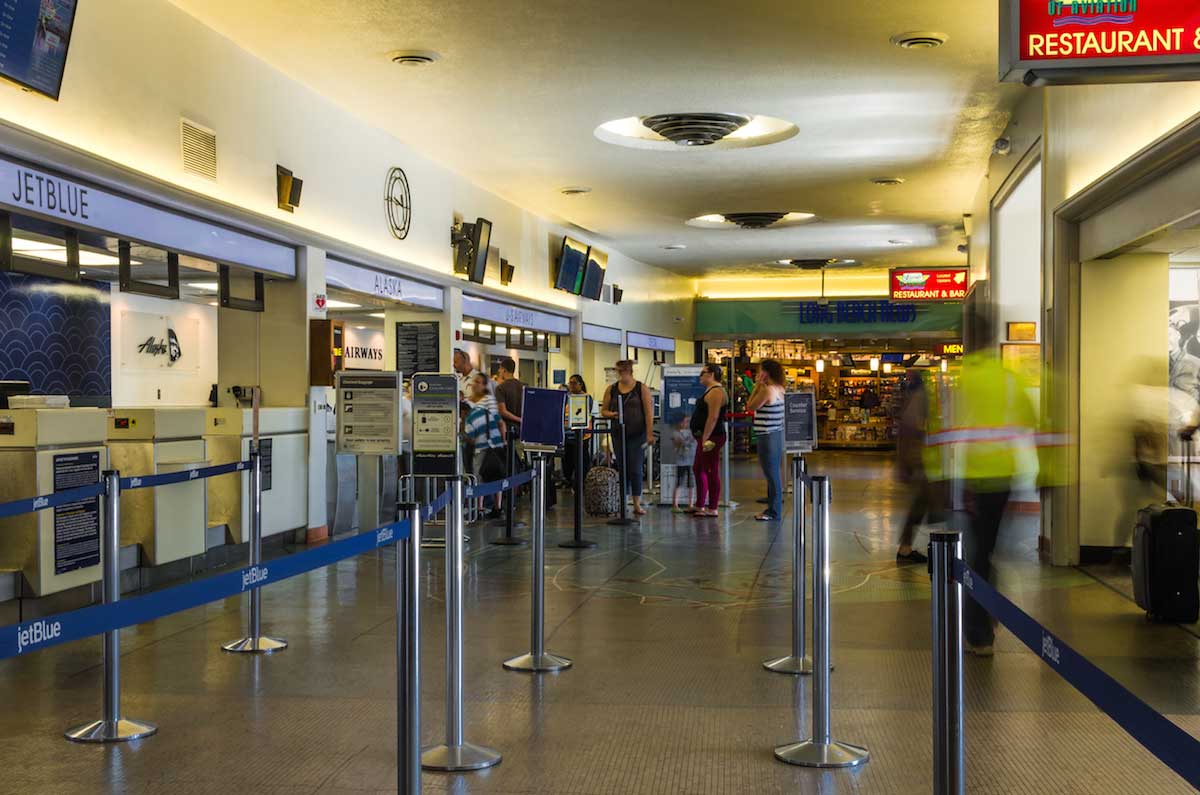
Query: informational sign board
x=542 y=416
x=799 y=421
x=265 y=449
x=1061 y=42
x=681 y=390
x=929 y=284
x=418 y=349
x=368 y=414
x=579 y=409
x=76 y=524
x=435 y=424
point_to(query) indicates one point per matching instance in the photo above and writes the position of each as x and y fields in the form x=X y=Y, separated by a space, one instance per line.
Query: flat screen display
x=572 y=263
x=593 y=277
x=34 y=37
x=481 y=238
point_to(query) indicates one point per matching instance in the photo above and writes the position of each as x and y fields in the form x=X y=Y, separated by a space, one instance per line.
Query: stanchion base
x=581 y=543
x=454 y=758
x=797 y=666
x=510 y=541
x=814 y=754
x=261 y=645
x=540 y=663
x=107 y=731
x=517 y=524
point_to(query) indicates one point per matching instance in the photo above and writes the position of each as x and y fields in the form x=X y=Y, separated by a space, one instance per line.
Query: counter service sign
x=800 y=421
x=922 y=284
x=1067 y=41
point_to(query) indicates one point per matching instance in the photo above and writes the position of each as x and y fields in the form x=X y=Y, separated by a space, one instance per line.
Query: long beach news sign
x=1060 y=42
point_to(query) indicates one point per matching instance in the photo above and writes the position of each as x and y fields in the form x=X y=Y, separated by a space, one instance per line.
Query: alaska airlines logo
x=253 y=576
x=1091 y=12
x=37 y=633
x=158 y=347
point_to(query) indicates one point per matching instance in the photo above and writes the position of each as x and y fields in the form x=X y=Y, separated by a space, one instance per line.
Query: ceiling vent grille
x=198 y=145
x=695 y=129
x=754 y=220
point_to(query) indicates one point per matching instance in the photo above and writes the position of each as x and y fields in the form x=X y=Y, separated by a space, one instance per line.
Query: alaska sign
x=1059 y=42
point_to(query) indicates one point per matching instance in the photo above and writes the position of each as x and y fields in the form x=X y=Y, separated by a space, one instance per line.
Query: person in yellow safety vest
x=993 y=419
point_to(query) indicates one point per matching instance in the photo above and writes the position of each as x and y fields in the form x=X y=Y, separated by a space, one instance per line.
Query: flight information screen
x=34 y=36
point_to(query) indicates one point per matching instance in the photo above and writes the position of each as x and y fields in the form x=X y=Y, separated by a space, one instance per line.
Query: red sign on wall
x=1049 y=36
x=929 y=284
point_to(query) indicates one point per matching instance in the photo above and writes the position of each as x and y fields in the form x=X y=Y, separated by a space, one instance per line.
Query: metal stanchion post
x=538 y=660
x=510 y=499
x=821 y=750
x=111 y=728
x=725 y=467
x=578 y=541
x=948 y=759
x=798 y=662
x=622 y=519
x=455 y=754
x=408 y=656
x=255 y=642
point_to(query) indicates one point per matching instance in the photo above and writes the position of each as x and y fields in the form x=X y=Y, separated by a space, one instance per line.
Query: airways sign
x=1099 y=41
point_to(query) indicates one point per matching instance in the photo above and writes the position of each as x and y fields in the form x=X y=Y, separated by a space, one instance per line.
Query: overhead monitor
x=33 y=47
x=593 y=277
x=572 y=264
x=481 y=238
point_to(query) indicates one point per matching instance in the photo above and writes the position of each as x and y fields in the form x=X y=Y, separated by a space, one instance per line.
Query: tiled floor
x=667 y=626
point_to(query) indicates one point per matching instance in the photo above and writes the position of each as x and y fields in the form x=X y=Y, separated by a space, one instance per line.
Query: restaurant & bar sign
x=1058 y=42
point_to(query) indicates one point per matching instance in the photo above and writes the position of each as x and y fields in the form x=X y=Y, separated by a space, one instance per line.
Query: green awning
x=846 y=318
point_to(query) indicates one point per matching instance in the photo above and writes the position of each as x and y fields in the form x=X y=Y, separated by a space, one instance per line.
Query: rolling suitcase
x=1166 y=557
x=602 y=491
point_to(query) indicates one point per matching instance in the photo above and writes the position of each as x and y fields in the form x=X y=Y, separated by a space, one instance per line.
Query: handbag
x=493 y=466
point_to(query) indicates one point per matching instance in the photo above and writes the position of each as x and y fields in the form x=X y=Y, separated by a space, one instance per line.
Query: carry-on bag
x=1166 y=556
x=602 y=491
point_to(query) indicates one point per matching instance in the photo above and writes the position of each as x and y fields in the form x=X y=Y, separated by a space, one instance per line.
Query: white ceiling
x=521 y=86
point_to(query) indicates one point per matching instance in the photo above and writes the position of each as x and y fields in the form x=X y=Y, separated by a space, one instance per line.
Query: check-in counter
x=167 y=522
x=43 y=451
x=283 y=434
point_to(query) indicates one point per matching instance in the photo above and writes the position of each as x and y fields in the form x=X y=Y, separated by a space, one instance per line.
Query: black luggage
x=1166 y=557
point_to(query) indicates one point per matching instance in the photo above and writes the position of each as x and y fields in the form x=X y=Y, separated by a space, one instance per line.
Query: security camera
x=962 y=248
x=1002 y=146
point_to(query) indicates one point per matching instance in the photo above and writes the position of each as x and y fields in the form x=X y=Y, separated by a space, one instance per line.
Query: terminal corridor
x=667 y=625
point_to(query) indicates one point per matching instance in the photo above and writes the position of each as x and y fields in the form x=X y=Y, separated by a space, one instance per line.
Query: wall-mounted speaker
x=506 y=272
x=287 y=189
x=617 y=294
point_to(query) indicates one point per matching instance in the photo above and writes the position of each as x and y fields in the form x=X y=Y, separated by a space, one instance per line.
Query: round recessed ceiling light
x=888 y=182
x=413 y=57
x=675 y=247
x=679 y=131
x=752 y=220
x=919 y=39
x=575 y=190
x=900 y=242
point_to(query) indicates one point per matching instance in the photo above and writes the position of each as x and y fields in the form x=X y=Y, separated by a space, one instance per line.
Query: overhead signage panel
x=40 y=193
x=649 y=342
x=384 y=285
x=928 y=284
x=518 y=316
x=1099 y=41
x=605 y=334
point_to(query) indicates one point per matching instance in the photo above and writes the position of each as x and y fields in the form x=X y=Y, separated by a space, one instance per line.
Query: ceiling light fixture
x=919 y=40
x=377 y=314
x=208 y=287
x=900 y=242
x=333 y=303
x=575 y=190
x=674 y=247
x=679 y=131
x=55 y=252
x=413 y=57
x=695 y=129
x=752 y=220
x=888 y=182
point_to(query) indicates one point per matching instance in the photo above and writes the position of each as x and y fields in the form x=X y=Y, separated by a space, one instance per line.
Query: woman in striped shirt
x=766 y=401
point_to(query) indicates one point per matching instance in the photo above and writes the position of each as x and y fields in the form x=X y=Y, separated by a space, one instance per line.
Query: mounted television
x=33 y=51
x=593 y=277
x=481 y=238
x=572 y=263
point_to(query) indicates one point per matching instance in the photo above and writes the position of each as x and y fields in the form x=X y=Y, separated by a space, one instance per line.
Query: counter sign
x=1098 y=41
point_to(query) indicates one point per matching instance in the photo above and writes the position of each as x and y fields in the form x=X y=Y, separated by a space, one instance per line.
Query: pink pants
x=707 y=467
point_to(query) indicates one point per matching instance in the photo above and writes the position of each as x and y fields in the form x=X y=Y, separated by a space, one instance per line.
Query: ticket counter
x=284 y=443
x=43 y=451
x=167 y=522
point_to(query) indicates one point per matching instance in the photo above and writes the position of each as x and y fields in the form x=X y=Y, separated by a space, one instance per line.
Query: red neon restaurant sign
x=1076 y=41
x=926 y=284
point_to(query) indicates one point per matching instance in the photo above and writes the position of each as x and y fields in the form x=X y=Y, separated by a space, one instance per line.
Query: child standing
x=684 y=444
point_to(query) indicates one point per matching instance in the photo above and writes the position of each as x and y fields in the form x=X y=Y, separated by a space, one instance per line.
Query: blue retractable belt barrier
x=41 y=633
x=31 y=504
x=497 y=486
x=1176 y=748
x=147 y=481
x=438 y=505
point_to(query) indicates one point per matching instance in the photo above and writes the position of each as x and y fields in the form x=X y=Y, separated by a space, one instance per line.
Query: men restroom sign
x=1099 y=41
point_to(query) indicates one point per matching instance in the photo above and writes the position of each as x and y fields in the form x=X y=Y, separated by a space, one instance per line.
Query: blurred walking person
x=914 y=463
